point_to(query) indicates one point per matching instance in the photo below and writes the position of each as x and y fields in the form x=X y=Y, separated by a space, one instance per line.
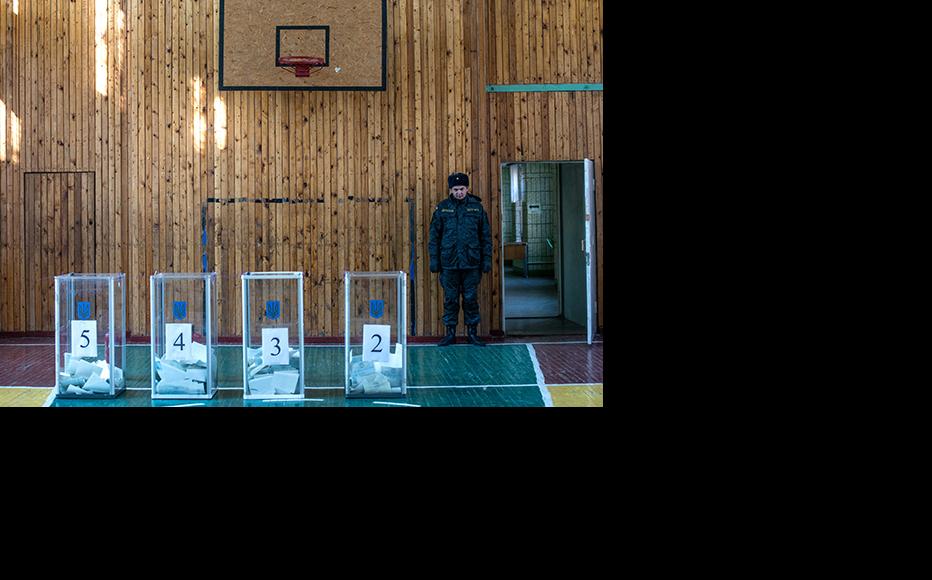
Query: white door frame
x=591 y=269
x=590 y=246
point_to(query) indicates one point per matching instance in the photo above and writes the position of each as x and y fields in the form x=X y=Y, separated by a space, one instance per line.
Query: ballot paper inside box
x=90 y=335
x=375 y=338
x=184 y=335
x=273 y=335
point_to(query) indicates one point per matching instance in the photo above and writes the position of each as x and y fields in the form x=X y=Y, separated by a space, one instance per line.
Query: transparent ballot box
x=90 y=335
x=184 y=335
x=273 y=335
x=375 y=338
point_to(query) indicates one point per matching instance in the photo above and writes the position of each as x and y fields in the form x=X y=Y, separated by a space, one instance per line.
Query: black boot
x=471 y=334
x=450 y=338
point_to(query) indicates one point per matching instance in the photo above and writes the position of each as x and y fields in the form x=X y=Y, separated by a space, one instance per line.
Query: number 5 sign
x=376 y=343
x=84 y=338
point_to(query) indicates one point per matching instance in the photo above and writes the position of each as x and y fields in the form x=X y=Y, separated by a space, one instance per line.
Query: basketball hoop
x=302 y=66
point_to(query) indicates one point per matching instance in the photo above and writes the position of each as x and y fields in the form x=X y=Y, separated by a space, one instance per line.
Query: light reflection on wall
x=16 y=133
x=121 y=28
x=199 y=130
x=2 y=131
x=220 y=123
x=101 y=13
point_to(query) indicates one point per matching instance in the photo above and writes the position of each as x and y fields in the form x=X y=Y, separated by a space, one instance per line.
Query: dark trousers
x=456 y=282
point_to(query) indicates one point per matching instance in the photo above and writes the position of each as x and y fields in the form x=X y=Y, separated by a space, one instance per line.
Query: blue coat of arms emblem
x=180 y=309
x=273 y=309
x=84 y=310
x=376 y=308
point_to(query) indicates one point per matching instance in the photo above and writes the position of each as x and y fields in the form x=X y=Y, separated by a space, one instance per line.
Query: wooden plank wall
x=61 y=215
x=171 y=153
x=64 y=135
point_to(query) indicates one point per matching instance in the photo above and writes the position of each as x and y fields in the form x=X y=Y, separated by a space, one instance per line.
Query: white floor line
x=467 y=386
x=429 y=387
x=544 y=342
x=394 y=404
x=512 y=343
x=186 y=405
x=571 y=342
x=409 y=386
x=305 y=388
x=544 y=392
x=574 y=384
x=288 y=400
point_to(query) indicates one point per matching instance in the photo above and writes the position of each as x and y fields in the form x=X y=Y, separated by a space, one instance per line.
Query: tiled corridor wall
x=540 y=183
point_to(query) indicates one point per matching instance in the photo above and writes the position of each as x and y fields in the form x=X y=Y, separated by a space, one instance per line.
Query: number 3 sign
x=376 y=342
x=275 y=346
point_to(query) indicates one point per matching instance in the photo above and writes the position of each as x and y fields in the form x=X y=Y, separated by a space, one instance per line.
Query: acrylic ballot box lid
x=91 y=276
x=269 y=371
x=272 y=275
x=90 y=335
x=375 y=337
x=183 y=359
x=185 y=275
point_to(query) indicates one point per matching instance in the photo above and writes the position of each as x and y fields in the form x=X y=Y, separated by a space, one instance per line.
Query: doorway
x=544 y=265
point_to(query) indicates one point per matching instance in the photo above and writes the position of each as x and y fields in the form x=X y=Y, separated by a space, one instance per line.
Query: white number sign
x=376 y=343
x=178 y=341
x=84 y=338
x=275 y=346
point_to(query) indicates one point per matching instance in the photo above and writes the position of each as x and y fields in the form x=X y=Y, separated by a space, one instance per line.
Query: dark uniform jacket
x=460 y=236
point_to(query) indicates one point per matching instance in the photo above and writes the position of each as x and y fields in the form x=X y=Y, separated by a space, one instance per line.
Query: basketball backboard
x=258 y=38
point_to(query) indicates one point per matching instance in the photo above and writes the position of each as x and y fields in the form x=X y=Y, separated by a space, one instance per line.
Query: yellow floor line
x=576 y=395
x=23 y=397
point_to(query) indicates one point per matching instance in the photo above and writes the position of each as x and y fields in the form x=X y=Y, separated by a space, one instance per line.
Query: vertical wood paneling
x=351 y=164
x=59 y=240
x=6 y=76
x=44 y=68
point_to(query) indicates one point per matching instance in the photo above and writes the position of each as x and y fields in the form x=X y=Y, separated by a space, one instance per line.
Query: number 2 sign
x=376 y=342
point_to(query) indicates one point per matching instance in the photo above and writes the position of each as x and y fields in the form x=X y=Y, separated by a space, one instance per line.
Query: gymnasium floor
x=560 y=373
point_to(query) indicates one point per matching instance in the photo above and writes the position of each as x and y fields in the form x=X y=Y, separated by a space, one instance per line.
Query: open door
x=591 y=314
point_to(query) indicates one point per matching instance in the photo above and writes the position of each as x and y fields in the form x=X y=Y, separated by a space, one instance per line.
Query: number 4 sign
x=178 y=341
x=376 y=344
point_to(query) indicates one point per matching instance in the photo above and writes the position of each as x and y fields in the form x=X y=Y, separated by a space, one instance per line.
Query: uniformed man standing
x=460 y=249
